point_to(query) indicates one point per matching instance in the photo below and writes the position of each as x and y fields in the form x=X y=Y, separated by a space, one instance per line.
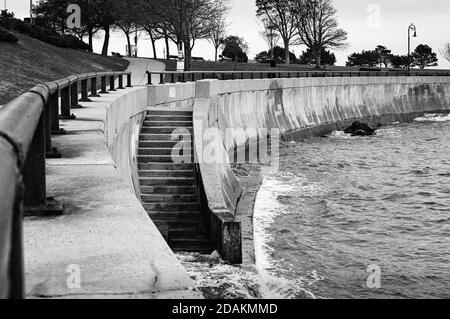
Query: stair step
x=205 y=250
x=167 y=130
x=188 y=232
x=172 y=207
x=176 y=190
x=164 y=166
x=177 y=150
x=169 y=198
x=167 y=181
x=162 y=159
x=191 y=245
x=165 y=137
x=167 y=173
x=169 y=112
x=176 y=219
x=171 y=123
x=169 y=118
x=164 y=144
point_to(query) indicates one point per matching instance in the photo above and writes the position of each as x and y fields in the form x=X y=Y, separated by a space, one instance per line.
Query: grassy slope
x=30 y=62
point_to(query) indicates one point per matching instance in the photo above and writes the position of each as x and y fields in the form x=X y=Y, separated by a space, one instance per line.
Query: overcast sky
x=368 y=23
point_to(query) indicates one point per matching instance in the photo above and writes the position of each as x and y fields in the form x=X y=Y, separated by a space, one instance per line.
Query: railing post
x=103 y=85
x=84 y=91
x=16 y=260
x=54 y=113
x=149 y=78
x=112 y=80
x=35 y=196
x=94 y=87
x=121 y=82
x=183 y=79
x=51 y=152
x=129 y=80
x=74 y=95
x=203 y=76
x=34 y=169
x=172 y=78
x=65 y=104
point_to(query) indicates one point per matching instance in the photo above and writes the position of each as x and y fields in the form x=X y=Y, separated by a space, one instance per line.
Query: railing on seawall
x=26 y=126
x=193 y=76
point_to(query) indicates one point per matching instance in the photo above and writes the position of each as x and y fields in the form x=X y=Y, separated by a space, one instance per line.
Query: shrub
x=51 y=37
x=7 y=19
x=6 y=36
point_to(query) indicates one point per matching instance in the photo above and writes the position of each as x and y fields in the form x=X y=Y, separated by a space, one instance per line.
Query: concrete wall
x=124 y=118
x=180 y=95
x=297 y=107
x=305 y=107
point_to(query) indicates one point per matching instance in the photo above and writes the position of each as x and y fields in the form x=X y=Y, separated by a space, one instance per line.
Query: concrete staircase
x=168 y=189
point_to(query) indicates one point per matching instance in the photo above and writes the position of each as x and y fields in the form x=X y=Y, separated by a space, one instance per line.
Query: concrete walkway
x=139 y=67
x=105 y=245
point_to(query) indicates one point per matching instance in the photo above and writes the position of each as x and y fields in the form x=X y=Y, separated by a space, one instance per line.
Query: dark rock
x=360 y=129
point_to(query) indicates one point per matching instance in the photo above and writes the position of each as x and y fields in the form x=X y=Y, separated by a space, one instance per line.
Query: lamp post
x=411 y=27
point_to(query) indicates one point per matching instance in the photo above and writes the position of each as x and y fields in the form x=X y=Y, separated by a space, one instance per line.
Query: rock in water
x=360 y=129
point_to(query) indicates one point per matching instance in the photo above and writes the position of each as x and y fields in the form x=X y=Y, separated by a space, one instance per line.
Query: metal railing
x=192 y=76
x=26 y=126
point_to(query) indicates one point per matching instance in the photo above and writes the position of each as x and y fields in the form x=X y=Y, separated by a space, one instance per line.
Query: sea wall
x=124 y=118
x=302 y=108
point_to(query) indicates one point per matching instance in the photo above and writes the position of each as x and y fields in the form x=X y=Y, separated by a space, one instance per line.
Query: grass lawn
x=30 y=62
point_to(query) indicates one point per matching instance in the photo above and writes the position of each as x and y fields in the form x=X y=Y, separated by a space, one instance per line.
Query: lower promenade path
x=105 y=245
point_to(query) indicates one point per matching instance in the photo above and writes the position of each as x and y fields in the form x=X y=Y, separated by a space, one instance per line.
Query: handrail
x=192 y=76
x=26 y=126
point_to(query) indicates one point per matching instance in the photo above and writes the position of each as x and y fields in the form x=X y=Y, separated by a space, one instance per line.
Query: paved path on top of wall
x=105 y=241
x=139 y=67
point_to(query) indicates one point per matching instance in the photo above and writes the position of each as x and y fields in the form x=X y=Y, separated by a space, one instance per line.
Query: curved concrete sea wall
x=302 y=108
x=299 y=108
x=124 y=118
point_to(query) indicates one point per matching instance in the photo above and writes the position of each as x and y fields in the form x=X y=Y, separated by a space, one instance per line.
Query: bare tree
x=445 y=52
x=270 y=34
x=280 y=14
x=218 y=35
x=128 y=13
x=148 y=21
x=186 y=21
x=318 y=28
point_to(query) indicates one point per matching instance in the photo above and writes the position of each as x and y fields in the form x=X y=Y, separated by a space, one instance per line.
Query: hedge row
x=50 y=36
x=6 y=36
x=8 y=22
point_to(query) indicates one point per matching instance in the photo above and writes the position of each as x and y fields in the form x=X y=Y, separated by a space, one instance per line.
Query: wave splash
x=433 y=117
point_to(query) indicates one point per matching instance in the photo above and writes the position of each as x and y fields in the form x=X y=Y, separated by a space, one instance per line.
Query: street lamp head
x=415 y=34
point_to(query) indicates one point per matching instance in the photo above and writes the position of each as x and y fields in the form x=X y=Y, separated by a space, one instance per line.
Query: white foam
x=267 y=208
x=433 y=118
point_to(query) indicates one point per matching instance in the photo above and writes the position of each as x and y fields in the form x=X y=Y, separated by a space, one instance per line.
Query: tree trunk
x=91 y=35
x=216 y=51
x=127 y=34
x=187 y=56
x=166 y=38
x=152 y=38
x=106 y=41
x=318 y=60
x=286 y=52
